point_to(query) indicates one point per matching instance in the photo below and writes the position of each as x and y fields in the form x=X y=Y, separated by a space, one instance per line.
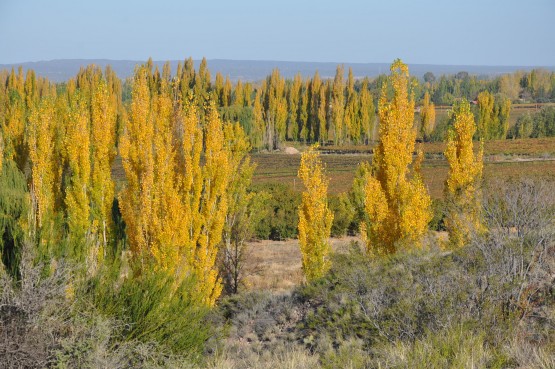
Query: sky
x=448 y=32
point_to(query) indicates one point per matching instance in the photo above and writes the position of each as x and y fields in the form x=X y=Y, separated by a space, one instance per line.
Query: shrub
x=282 y=212
x=343 y=213
x=14 y=198
x=153 y=308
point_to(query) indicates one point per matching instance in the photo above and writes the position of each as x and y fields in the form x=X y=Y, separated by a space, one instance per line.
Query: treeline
x=336 y=111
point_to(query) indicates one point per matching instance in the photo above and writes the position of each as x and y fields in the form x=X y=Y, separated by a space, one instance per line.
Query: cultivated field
x=503 y=158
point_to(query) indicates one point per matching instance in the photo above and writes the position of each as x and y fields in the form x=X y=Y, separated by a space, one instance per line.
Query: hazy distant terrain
x=252 y=70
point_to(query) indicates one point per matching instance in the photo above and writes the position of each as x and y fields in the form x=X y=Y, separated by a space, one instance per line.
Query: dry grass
x=276 y=265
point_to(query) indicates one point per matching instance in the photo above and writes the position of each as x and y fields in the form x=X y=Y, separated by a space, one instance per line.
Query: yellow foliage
x=40 y=141
x=103 y=141
x=178 y=171
x=77 y=147
x=315 y=218
x=465 y=172
x=1 y=151
x=427 y=116
x=398 y=206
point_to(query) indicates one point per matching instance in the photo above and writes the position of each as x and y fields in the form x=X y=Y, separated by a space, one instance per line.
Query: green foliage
x=282 y=212
x=241 y=114
x=343 y=213
x=439 y=134
x=14 y=207
x=357 y=196
x=536 y=125
x=153 y=309
x=439 y=211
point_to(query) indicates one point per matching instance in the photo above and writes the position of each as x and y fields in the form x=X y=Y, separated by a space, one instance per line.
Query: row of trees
x=186 y=174
x=396 y=203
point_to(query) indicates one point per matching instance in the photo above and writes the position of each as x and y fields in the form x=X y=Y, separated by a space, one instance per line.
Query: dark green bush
x=281 y=208
x=14 y=200
x=342 y=214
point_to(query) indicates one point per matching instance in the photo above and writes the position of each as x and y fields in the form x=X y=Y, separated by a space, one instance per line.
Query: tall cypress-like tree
x=315 y=217
x=462 y=187
x=427 y=116
x=338 y=105
x=398 y=206
x=293 y=101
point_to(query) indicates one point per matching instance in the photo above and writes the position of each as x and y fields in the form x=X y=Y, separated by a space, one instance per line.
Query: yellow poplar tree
x=465 y=172
x=1 y=151
x=338 y=105
x=315 y=218
x=204 y=197
x=103 y=142
x=43 y=175
x=427 y=116
x=178 y=170
x=486 y=118
x=136 y=149
x=398 y=206
x=366 y=111
x=77 y=147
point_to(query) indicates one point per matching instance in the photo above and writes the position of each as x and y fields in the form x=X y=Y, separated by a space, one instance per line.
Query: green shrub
x=281 y=208
x=153 y=309
x=14 y=200
x=438 y=221
x=343 y=213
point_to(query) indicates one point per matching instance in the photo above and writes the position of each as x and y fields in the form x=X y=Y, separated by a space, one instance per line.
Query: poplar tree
x=226 y=92
x=293 y=101
x=315 y=217
x=352 y=117
x=175 y=204
x=366 y=111
x=239 y=95
x=275 y=110
x=304 y=111
x=219 y=88
x=323 y=113
x=1 y=151
x=241 y=213
x=204 y=196
x=77 y=148
x=462 y=187
x=258 y=132
x=427 y=116
x=486 y=116
x=398 y=206
x=43 y=169
x=314 y=124
x=338 y=105
x=103 y=128
x=13 y=126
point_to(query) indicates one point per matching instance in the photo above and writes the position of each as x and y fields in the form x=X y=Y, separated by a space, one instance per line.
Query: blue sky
x=471 y=32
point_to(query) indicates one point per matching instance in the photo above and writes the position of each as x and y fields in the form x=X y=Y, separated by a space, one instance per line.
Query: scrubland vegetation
x=127 y=212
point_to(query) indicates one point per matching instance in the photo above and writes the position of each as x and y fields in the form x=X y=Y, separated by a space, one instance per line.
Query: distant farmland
x=503 y=159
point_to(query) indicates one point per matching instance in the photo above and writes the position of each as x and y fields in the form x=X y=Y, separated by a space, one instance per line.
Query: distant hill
x=253 y=70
